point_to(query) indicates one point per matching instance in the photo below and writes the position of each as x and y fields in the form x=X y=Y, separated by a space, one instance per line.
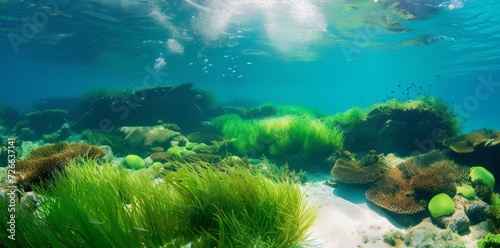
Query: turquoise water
x=325 y=54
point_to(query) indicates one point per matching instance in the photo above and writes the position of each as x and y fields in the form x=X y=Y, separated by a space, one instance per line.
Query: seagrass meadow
x=249 y=123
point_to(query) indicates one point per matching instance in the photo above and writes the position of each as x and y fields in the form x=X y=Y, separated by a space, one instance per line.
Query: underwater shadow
x=352 y=192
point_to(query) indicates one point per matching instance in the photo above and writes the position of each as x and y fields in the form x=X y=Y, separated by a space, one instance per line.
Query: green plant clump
x=350 y=119
x=287 y=135
x=104 y=206
x=297 y=110
x=441 y=205
x=482 y=175
x=489 y=240
x=133 y=162
x=466 y=191
x=493 y=219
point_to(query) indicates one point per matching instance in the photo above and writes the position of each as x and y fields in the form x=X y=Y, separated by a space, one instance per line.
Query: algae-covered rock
x=133 y=162
x=441 y=205
x=480 y=147
x=472 y=141
x=482 y=175
x=393 y=127
x=359 y=172
x=466 y=191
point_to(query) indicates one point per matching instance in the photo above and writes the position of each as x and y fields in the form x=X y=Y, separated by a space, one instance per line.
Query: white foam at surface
x=173 y=46
x=285 y=23
x=159 y=64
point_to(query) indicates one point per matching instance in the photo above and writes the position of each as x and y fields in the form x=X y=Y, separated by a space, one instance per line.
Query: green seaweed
x=304 y=138
x=298 y=110
x=489 y=240
x=232 y=207
x=104 y=206
x=349 y=120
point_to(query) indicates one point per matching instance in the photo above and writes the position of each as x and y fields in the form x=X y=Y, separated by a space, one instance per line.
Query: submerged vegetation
x=303 y=138
x=103 y=206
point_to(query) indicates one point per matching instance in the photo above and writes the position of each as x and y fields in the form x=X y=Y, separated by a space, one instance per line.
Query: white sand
x=345 y=219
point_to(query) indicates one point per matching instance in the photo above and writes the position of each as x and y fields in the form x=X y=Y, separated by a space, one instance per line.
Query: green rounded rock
x=466 y=191
x=479 y=173
x=441 y=205
x=157 y=165
x=191 y=145
x=133 y=162
x=175 y=151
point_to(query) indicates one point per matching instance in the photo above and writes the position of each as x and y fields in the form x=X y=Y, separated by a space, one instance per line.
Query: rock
x=457 y=222
x=108 y=153
x=26 y=148
x=30 y=200
x=145 y=137
x=202 y=148
x=477 y=210
x=478 y=231
x=466 y=211
x=427 y=235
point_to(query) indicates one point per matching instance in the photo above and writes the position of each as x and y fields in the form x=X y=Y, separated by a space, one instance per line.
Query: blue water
x=331 y=55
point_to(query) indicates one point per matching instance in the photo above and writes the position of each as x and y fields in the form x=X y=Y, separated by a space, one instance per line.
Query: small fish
x=488 y=143
x=96 y=222
x=331 y=182
x=140 y=229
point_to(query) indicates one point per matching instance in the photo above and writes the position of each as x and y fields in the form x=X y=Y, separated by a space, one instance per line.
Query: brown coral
x=394 y=193
x=407 y=188
x=468 y=143
x=161 y=157
x=367 y=170
x=430 y=181
x=44 y=161
x=148 y=136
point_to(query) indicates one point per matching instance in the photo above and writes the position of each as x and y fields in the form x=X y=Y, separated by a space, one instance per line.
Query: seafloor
x=168 y=167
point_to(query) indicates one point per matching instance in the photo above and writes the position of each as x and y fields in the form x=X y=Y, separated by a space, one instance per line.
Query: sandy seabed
x=344 y=217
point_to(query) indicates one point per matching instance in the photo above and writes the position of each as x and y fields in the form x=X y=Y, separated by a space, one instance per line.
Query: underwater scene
x=249 y=123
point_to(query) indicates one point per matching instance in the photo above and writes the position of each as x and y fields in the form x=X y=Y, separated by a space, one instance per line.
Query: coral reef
x=405 y=128
x=40 y=165
x=477 y=148
x=472 y=141
x=394 y=193
x=359 y=172
x=407 y=188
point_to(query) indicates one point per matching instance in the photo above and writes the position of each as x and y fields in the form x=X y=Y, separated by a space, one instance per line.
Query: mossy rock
x=157 y=165
x=185 y=153
x=202 y=148
x=441 y=205
x=191 y=145
x=133 y=162
x=473 y=141
x=175 y=151
x=466 y=191
x=481 y=174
